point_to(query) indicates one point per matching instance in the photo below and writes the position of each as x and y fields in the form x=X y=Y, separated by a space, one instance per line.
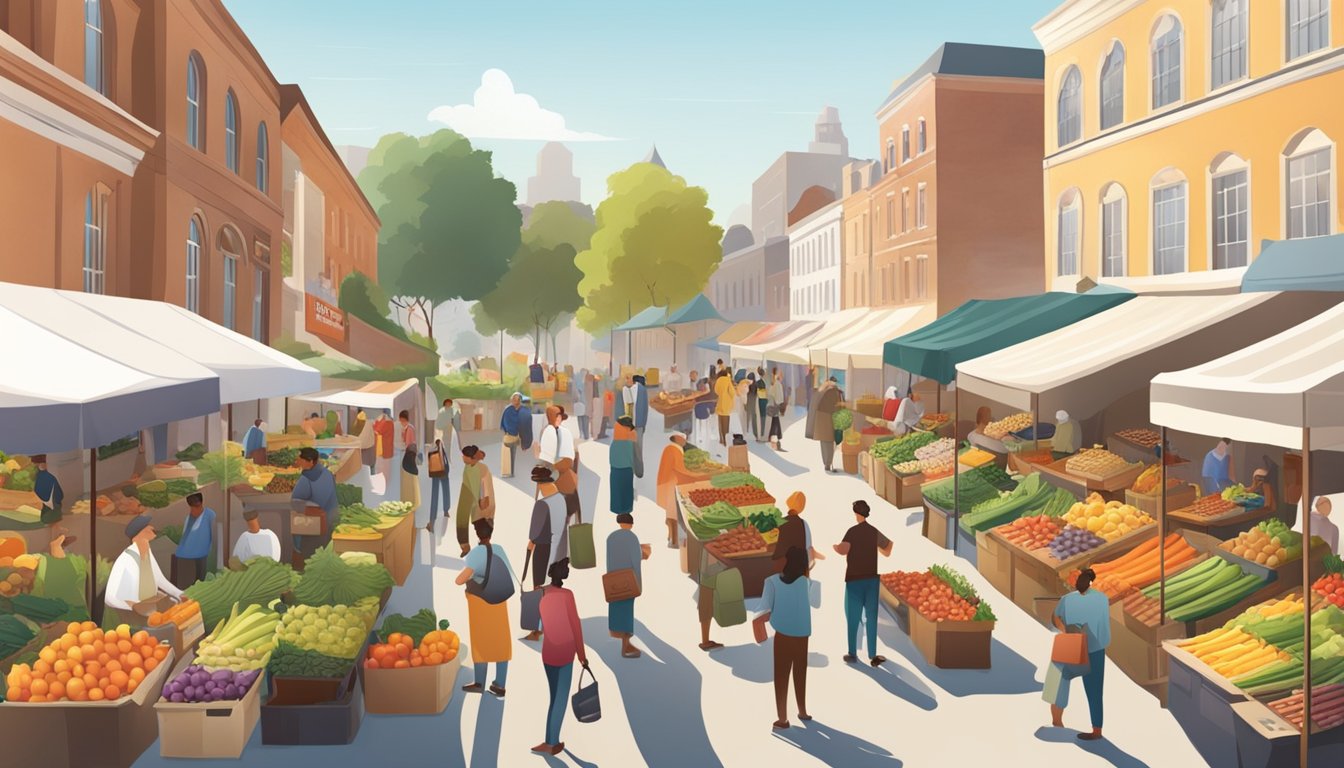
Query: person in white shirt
x=672 y=382
x=255 y=542
x=556 y=450
x=908 y=414
x=136 y=577
x=448 y=420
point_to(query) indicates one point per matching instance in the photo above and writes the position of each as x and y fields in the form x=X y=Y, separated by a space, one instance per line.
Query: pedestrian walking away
x=410 y=464
x=487 y=623
x=1086 y=612
x=547 y=534
x=511 y=423
x=786 y=607
x=562 y=644
x=726 y=395
x=795 y=532
x=439 y=481
x=860 y=548
x=622 y=461
x=625 y=556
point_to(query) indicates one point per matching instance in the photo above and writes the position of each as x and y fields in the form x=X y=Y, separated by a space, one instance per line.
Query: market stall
x=859 y=353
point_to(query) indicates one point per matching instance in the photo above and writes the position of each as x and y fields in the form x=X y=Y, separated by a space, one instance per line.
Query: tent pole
x=1035 y=421
x=92 y=576
x=956 y=466
x=228 y=498
x=1306 y=582
x=286 y=414
x=1162 y=529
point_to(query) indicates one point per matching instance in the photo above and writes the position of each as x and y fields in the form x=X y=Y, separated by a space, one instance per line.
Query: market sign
x=322 y=319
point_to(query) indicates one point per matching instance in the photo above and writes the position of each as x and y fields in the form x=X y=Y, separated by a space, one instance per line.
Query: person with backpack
x=562 y=644
x=439 y=480
x=488 y=623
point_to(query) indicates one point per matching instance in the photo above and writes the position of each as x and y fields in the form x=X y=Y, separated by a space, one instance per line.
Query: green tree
x=362 y=298
x=449 y=224
x=655 y=245
x=540 y=287
x=556 y=222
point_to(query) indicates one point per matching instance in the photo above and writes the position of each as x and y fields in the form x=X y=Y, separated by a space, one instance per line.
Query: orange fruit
x=95 y=694
x=161 y=652
x=85 y=637
x=131 y=686
x=112 y=692
x=416 y=661
x=110 y=636
x=133 y=659
x=75 y=688
x=56 y=691
x=112 y=666
x=90 y=681
x=63 y=677
x=124 y=646
x=436 y=658
x=41 y=667
x=136 y=674
x=119 y=678
x=402 y=664
x=39 y=687
x=151 y=663
x=73 y=628
x=93 y=668
x=47 y=654
x=140 y=638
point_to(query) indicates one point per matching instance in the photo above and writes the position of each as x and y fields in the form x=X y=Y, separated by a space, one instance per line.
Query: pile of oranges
x=87 y=664
x=929 y=595
x=400 y=652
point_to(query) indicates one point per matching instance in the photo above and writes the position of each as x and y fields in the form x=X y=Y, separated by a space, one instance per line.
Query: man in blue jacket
x=316 y=487
x=198 y=538
x=511 y=423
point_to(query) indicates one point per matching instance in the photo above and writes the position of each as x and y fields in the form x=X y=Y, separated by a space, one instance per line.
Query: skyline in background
x=721 y=90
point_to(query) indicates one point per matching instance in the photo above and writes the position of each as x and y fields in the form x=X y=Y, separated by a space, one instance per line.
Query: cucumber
x=1217 y=601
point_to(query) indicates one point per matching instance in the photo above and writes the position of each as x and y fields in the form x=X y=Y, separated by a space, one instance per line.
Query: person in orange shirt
x=672 y=472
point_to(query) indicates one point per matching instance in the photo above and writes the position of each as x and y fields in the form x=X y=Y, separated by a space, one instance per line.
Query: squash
x=26 y=561
x=13 y=546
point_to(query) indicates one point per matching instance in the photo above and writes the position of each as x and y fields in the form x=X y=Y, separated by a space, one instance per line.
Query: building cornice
x=1075 y=19
x=887 y=110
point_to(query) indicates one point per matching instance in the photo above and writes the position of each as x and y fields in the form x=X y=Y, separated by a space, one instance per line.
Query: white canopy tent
x=1084 y=367
x=863 y=348
x=775 y=336
x=834 y=328
x=375 y=395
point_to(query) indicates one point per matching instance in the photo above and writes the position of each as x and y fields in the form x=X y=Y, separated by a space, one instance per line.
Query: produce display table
x=703 y=561
x=944 y=644
x=1201 y=701
x=1036 y=574
x=82 y=734
x=680 y=411
x=395 y=549
x=424 y=690
x=1221 y=526
x=214 y=729
x=1113 y=485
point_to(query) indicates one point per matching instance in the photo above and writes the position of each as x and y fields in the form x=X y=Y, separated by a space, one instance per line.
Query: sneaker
x=473 y=688
x=497 y=689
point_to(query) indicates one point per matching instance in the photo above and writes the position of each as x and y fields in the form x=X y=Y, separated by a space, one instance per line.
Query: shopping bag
x=814 y=592
x=1070 y=648
x=587 y=707
x=529 y=618
x=496 y=586
x=730 y=606
x=620 y=585
x=582 y=552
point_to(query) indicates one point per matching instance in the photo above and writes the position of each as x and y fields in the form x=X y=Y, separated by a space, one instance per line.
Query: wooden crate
x=1177 y=498
x=905 y=491
x=1033 y=579
x=994 y=560
x=1137 y=648
x=935 y=525
x=952 y=644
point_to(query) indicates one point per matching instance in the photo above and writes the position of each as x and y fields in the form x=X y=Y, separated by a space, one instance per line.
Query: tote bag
x=1070 y=648
x=585 y=702
x=529 y=618
x=494 y=589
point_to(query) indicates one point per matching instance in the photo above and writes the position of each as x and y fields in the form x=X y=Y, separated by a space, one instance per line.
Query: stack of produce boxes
x=948 y=622
x=733 y=522
x=387 y=532
x=945 y=498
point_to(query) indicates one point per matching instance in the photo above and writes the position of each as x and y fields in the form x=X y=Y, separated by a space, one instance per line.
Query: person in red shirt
x=562 y=642
x=383 y=430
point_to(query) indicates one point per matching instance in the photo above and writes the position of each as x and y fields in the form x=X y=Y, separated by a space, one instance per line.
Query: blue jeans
x=1093 y=677
x=559 y=679
x=501 y=673
x=435 y=483
x=861 y=601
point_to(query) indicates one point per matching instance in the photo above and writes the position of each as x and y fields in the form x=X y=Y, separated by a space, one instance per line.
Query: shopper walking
x=595 y=407
x=727 y=395
x=639 y=413
x=1086 y=611
x=625 y=553
x=860 y=547
x=510 y=423
x=622 y=461
x=476 y=497
x=439 y=480
x=795 y=532
x=365 y=432
x=751 y=420
x=704 y=411
x=786 y=607
x=762 y=403
x=410 y=468
x=562 y=644
x=557 y=450
x=819 y=420
x=547 y=534
x=775 y=409
x=488 y=623
x=579 y=390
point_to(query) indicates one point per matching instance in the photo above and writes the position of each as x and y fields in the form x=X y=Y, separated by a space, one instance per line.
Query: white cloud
x=499 y=112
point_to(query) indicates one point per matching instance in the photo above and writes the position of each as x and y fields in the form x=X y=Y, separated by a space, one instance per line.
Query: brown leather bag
x=620 y=585
x=566 y=479
x=1070 y=648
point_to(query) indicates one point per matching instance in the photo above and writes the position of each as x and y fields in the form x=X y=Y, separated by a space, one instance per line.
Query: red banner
x=322 y=319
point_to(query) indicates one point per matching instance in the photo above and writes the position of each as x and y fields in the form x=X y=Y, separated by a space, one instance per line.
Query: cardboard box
x=417 y=691
x=907 y=491
x=994 y=560
x=83 y=734
x=1033 y=579
x=333 y=722
x=739 y=458
x=1139 y=654
x=183 y=639
x=952 y=644
x=217 y=729
x=1203 y=707
x=935 y=525
x=403 y=549
x=1177 y=498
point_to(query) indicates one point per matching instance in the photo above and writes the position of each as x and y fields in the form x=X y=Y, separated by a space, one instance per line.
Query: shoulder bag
x=1070 y=648
x=492 y=590
x=529 y=618
x=408 y=461
x=620 y=585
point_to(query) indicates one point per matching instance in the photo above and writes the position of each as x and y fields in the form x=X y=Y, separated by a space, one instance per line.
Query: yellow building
x=1182 y=133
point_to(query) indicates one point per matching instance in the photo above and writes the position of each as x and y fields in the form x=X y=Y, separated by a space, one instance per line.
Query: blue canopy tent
x=697 y=310
x=1309 y=264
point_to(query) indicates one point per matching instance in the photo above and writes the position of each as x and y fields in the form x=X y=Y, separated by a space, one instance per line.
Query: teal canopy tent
x=1309 y=264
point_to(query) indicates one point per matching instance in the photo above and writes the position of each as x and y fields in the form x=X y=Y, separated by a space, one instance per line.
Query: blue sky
x=721 y=87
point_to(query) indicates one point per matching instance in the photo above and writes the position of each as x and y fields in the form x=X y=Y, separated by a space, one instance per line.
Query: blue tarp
x=983 y=326
x=653 y=317
x=694 y=311
x=1310 y=264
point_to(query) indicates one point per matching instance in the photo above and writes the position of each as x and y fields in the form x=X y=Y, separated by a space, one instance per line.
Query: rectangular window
x=95 y=242
x=1231 y=220
x=907 y=279
x=905 y=210
x=1167 y=63
x=1309 y=194
x=921 y=207
x=1113 y=238
x=905 y=143
x=923 y=137
x=1068 y=240
x=891 y=217
x=1308 y=26
x=230 y=292
x=1169 y=229
x=921 y=277
x=258 y=303
x=1229 y=42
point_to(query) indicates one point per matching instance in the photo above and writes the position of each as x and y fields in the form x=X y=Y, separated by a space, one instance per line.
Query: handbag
x=408 y=461
x=529 y=618
x=1070 y=648
x=772 y=411
x=492 y=591
x=582 y=552
x=585 y=702
x=620 y=585
x=436 y=464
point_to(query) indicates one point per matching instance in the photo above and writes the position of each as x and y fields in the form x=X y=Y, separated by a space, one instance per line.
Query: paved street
x=678 y=706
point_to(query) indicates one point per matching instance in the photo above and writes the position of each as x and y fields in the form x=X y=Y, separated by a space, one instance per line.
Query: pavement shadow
x=1009 y=673
x=784 y=463
x=489 y=723
x=837 y=748
x=755 y=663
x=901 y=684
x=1102 y=748
x=660 y=688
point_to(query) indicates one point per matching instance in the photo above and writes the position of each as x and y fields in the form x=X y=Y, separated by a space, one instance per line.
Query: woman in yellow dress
x=491 y=641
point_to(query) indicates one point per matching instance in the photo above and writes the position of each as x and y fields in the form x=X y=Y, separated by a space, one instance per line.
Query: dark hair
x=404 y=415
x=833 y=380
x=194 y=499
x=257 y=423
x=795 y=565
x=625 y=518
x=314 y=415
x=542 y=474
x=1227 y=440
x=447 y=401
x=469 y=451
x=751 y=376
x=484 y=527
x=861 y=508
x=559 y=571
x=1085 y=579
x=309 y=453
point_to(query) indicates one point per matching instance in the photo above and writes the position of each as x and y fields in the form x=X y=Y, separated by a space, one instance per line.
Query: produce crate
x=905 y=491
x=173 y=471
x=83 y=734
x=1223 y=526
x=215 y=729
x=866 y=467
x=1108 y=551
x=1033 y=579
x=183 y=639
x=877 y=476
x=348 y=466
x=1201 y=701
x=1177 y=498
x=1114 y=484
x=1019 y=465
x=416 y=691
x=384 y=549
x=935 y=524
x=952 y=644
x=332 y=722
x=1137 y=648
x=14 y=499
x=994 y=560
x=1285 y=575
x=401 y=539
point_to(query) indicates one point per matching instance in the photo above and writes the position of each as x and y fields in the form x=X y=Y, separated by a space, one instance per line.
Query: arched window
x=1170 y=233
x=905 y=143
x=1070 y=117
x=195 y=97
x=1229 y=42
x=1309 y=160
x=263 y=158
x=1231 y=214
x=1113 y=88
x=95 y=240
x=1114 y=240
x=231 y=132
x=94 y=74
x=1069 y=225
x=923 y=137
x=231 y=248
x=1166 y=44
x=1308 y=26
x=195 y=233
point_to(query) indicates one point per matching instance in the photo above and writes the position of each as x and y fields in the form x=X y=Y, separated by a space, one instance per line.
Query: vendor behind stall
x=254 y=443
x=1217 y=472
x=1260 y=484
x=1068 y=438
x=48 y=491
x=136 y=580
x=198 y=539
x=908 y=415
x=316 y=489
x=255 y=542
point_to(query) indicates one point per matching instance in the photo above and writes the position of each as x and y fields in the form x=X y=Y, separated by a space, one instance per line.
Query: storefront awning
x=1266 y=393
x=1085 y=367
x=863 y=348
x=774 y=336
x=726 y=338
x=982 y=326
x=1311 y=264
x=832 y=329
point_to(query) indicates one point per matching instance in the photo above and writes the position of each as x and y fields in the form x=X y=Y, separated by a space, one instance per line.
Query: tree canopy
x=449 y=224
x=655 y=245
x=540 y=287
